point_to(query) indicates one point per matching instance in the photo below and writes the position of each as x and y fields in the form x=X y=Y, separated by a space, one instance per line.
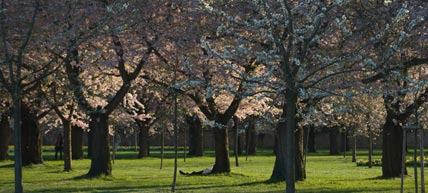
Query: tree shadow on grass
x=388 y=178
x=330 y=190
x=7 y=166
x=207 y=187
x=148 y=188
x=85 y=177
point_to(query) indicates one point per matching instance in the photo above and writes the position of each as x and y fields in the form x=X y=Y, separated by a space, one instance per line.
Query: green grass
x=332 y=174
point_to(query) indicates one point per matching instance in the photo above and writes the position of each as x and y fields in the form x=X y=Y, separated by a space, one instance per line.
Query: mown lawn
x=325 y=173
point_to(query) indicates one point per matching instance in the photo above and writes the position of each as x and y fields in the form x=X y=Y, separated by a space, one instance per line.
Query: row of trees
x=298 y=64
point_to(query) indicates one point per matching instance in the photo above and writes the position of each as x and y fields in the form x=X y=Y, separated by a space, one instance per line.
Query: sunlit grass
x=324 y=174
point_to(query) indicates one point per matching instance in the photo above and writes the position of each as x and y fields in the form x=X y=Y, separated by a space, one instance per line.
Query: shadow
x=7 y=166
x=205 y=188
x=330 y=190
x=107 y=189
x=83 y=177
x=387 y=178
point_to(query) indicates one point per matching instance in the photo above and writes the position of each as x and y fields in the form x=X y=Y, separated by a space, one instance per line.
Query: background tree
x=5 y=131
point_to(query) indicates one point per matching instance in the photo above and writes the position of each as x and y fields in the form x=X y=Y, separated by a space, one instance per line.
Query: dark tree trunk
x=236 y=140
x=221 y=141
x=354 y=148
x=344 y=142
x=278 y=173
x=17 y=135
x=392 y=142
x=31 y=144
x=391 y=148
x=100 y=157
x=67 y=145
x=196 y=145
x=300 y=174
x=260 y=139
x=333 y=138
x=370 y=147
x=76 y=142
x=289 y=138
x=240 y=144
x=4 y=137
x=143 y=142
x=310 y=137
x=251 y=137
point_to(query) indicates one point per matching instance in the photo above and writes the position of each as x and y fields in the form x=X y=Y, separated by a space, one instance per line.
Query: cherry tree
x=291 y=39
x=397 y=49
x=96 y=45
x=20 y=64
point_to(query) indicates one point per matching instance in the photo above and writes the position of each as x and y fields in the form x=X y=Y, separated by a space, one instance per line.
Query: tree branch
x=381 y=75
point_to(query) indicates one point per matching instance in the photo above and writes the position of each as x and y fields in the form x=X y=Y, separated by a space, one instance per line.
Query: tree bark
x=278 y=173
x=251 y=137
x=354 y=148
x=300 y=174
x=31 y=144
x=221 y=141
x=370 y=147
x=239 y=143
x=100 y=157
x=392 y=145
x=4 y=136
x=392 y=142
x=76 y=142
x=333 y=138
x=67 y=145
x=236 y=140
x=311 y=138
x=143 y=142
x=196 y=145
x=344 y=143
x=17 y=125
x=290 y=148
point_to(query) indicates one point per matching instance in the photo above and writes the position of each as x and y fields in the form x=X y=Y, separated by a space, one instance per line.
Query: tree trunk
x=300 y=174
x=290 y=148
x=354 y=148
x=251 y=137
x=17 y=126
x=311 y=138
x=196 y=145
x=333 y=138
x=240 y=144
x=67 y=145
x=260 y=139
x=4 y=137
x=391 y=148
x=143 y=142
x=236 y=143
x=370 y=147
x=344 y=143
x=162 y=145
x=31 y=144
x=100 y=157
x=76 y=142
x=278 y=173
x=221 y=141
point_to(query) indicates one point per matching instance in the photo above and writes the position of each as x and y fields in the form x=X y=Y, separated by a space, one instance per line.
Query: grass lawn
x=325 y=173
